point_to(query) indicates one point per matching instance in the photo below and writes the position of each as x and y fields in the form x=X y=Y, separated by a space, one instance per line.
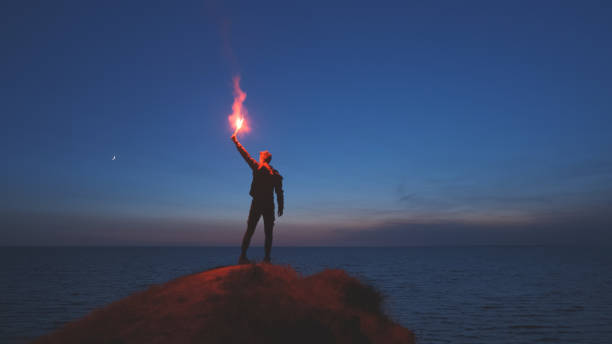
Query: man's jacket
x=266 y=181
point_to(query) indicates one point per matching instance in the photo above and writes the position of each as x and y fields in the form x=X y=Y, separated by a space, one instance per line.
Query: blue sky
x=393 y=123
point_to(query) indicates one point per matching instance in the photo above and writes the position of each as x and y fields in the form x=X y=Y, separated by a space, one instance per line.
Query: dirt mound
x=242 y=304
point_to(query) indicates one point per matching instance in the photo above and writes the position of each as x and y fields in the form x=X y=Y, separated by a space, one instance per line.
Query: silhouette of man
x=266 y=181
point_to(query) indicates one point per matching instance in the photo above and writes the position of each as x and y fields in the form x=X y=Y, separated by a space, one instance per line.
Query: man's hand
x=280 y=212
x=234 y=138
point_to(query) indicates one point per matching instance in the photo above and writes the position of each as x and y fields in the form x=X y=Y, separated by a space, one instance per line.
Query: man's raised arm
x=252 y=163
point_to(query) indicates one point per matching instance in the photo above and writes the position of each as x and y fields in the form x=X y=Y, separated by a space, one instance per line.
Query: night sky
x=393 y=123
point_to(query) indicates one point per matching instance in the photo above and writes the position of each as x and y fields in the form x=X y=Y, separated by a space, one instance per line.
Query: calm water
x=445 y=295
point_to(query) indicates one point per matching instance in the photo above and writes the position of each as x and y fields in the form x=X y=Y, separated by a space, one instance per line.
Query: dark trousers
x=259 y=209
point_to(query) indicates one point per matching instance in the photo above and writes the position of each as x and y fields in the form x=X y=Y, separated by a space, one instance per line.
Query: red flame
x=237 y=118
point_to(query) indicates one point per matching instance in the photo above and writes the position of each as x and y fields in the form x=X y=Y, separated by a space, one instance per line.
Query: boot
x=243 y=260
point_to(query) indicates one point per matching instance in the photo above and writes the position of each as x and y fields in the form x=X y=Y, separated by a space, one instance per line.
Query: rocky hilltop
x=256 y=303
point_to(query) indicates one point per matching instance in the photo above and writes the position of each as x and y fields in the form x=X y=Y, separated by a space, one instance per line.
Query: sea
x=443 y=294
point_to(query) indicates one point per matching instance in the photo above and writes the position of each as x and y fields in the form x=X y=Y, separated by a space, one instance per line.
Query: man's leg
x=254 y=215
x=268 y=216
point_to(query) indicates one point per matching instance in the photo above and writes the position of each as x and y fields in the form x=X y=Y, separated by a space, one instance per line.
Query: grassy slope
x=242 y=304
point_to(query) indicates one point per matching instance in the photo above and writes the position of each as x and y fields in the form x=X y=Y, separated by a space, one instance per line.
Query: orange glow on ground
x=261 y=303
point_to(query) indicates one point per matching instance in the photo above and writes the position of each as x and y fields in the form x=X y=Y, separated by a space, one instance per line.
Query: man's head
x=265 y=156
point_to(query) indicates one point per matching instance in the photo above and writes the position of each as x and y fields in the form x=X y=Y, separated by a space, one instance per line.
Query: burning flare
x=239 y=122
x=238 y=115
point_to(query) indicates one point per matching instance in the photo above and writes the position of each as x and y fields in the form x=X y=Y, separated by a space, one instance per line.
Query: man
x=266 y=181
